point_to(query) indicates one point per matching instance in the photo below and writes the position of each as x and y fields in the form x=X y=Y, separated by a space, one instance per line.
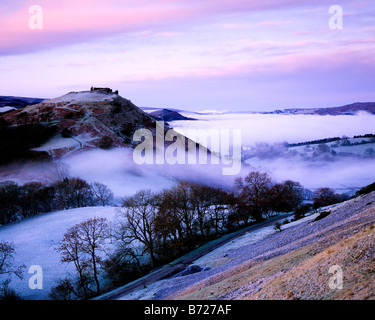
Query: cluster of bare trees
x=168 y=223
x=155 y=227
x=22 y=201
x=259 y=197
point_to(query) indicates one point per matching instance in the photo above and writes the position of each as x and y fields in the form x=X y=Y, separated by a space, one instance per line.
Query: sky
x=233 y=55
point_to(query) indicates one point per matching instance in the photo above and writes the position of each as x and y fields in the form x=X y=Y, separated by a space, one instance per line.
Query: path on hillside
x=183 y=262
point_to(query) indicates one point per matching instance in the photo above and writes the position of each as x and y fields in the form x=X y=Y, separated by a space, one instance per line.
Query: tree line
x=153 y=228
x=22 y=201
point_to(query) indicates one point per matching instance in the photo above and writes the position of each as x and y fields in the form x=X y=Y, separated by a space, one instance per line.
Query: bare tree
x=286 y=196
x=325 y=197
x=9 y=199
x=79 y=193
x=125 y=261
x=82 y=245
x=7 y=267
x=177 y=201
x=169 y=222
x=101 y=193
x=139 y=212
x=253 y=191
x=201 y=200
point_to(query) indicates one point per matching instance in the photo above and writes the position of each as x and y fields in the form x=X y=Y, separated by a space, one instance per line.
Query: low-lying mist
x=343 y=175
x=117 y=169
x=274 y=128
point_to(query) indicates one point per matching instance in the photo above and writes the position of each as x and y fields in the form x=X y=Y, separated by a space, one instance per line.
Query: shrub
x=65 y=133
x=127 y=129
x=322 y=215
x=301 y=210
x=277 y=226
x=74 y=115
x=367 y=189
x=7 y=293
x=106 y=142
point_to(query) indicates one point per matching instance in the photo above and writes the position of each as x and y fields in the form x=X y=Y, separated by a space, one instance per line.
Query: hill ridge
x=85 y=119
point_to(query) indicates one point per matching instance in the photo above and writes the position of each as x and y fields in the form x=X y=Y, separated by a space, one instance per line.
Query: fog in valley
x=263 y=137
x=266 y=146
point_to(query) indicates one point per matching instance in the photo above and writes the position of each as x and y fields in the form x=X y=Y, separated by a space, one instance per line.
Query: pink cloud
x=72 y=21
x=274 y=23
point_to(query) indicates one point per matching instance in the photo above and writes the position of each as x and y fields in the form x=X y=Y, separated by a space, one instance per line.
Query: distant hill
x=350 y=109
x=168 y=115
x=18 y=102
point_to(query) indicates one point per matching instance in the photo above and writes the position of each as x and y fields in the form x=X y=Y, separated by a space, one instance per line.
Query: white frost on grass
x=83 y=96
x=214 y=259
x=217 y=256
x=6 y=108
x=58 y=142
x=35 y=240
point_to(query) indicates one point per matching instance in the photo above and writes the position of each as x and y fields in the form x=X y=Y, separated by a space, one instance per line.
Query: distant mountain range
x=350 y=109
x=13 y=102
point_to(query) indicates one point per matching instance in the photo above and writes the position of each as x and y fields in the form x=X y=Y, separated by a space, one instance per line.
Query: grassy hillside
x=300 y=269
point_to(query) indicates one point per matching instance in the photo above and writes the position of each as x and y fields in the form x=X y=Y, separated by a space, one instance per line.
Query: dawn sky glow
x=195 y=55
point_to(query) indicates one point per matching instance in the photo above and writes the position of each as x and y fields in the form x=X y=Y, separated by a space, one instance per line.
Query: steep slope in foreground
x=296 y=263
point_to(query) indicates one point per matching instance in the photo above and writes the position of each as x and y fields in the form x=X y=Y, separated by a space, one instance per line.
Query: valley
x=88 y=136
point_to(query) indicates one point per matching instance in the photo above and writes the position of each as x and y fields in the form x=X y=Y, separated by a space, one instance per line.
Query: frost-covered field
x=35 y=240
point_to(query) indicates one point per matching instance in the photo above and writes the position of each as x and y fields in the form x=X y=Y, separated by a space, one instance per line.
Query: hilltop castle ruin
x=106 y=90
